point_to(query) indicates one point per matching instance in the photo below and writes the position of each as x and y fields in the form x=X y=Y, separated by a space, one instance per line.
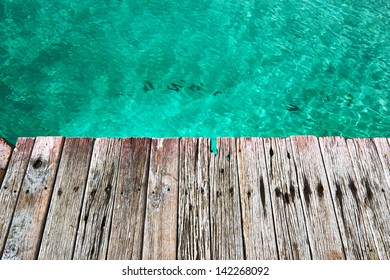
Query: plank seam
x=146 y=198
x=83 y=198
x=239 y=197
x=178 y=214
x=177 y=199
x=16 y=201
x=209 y=196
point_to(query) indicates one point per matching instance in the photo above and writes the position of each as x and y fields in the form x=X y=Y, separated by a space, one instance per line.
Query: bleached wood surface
x=29 y=218
x=194 y=241
x=257 y=217
x=371 y=174
x=225 y=210
x=323 y=230
x=300 y=197
x=347 y=193
x=9 y=191
x=290 y=221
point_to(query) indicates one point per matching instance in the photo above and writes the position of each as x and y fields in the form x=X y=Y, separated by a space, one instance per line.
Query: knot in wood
x=37 y=163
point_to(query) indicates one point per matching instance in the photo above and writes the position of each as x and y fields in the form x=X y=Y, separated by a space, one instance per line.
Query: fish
x=174 y=87
x=148 y=85
x=292 y=108
x=194 y=87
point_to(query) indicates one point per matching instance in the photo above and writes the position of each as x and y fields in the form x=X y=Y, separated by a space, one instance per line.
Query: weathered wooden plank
x=95 y=221
x=30 y=214
x=358 y=240
x=370 y=173
x=324 y=234
x=63 y=218
x=5 y=155
x=257 y=216
x=9 y=192
x=383 y=148
x=290 y=224
x=130 y=200
x=225 y=214
x=160 y=234
x=194 y=200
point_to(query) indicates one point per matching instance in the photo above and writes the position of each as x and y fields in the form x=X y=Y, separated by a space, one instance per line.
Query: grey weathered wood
x=194 y=200
x=95 y=221
x=30 y=214
x=370 y=173
x=257 y=216
x=63 y=218
x=160 y=234
x=242 y=203
x=347 y=194
x=290 y=221
x=5 y=155
x=225 y=214
x=130 y=200
x=12 y=183
x=383 y=148
x=322 y=227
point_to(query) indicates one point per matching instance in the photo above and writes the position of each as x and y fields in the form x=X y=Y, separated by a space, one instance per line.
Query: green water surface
x=169 y=68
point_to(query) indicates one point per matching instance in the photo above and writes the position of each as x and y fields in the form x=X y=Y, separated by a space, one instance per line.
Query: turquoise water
x=168 y=68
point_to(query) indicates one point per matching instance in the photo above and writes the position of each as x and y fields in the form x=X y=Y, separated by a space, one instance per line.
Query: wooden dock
x=138 y=198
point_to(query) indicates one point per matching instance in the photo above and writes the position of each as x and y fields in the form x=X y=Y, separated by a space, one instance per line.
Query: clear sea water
x=169 y=68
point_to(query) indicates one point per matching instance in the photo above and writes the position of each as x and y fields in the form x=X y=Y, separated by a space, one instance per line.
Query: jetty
x=301 y=197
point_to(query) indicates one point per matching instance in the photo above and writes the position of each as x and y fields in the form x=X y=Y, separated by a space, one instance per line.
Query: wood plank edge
x=146 y=197
x=18 y=194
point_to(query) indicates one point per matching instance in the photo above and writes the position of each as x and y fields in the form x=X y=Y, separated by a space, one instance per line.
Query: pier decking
x=138 y=198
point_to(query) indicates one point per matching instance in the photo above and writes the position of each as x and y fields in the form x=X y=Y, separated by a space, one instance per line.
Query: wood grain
x=225 y=210
x=5 y=155
x=294 y=198
x=160 y=235
x=257 y=216
x=347 y=193
x=30 y=214
x=130 y=200
x=63 y=218
x=324 y=233
x=9 y=191
x=95 y=221
x=383 y=147
x=371 y=174
x=194 y=200
x=290 y=221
